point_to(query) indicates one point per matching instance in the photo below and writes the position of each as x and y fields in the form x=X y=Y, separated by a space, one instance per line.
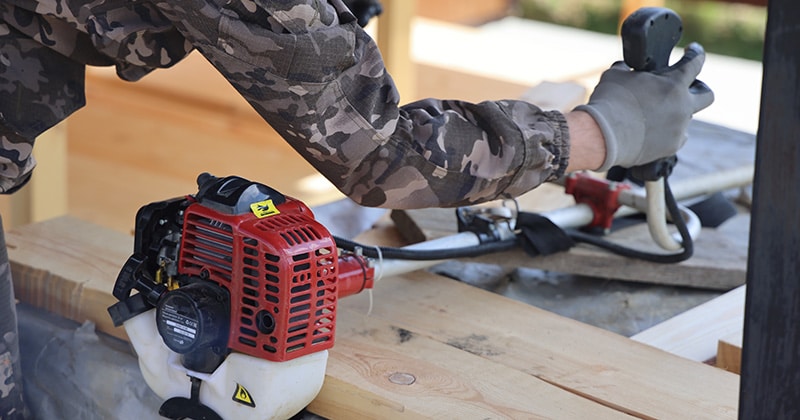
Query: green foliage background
x=722 y=28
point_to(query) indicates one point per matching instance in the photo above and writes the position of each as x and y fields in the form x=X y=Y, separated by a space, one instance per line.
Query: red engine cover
x=280 y=269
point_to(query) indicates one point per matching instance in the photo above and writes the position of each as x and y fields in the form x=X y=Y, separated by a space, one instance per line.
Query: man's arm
x=319 y=80
x=310 y=71
x=588 y=149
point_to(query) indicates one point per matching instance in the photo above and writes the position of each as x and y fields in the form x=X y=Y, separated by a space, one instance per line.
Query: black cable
x=391 y=253
x=371 y=251
x=680 y=224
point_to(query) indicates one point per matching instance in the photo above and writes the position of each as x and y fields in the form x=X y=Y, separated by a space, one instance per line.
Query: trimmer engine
x=234 y=282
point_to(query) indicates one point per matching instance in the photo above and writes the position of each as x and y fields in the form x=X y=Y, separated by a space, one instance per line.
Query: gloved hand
x=364 y=10
x=644 y=116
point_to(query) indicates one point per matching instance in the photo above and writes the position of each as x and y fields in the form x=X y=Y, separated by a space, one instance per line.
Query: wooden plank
x=695 y=334
x=394 y=41
x=68 y=267
x=630 y=6
x=424 y=301
x=180 y=83
x=447 y=83
x=729 y=352
x=393 y=372
x=468 y=12
x=604 y=367
x=139 y=142
x=47 y=190
x=444 y=334
x=45 y=196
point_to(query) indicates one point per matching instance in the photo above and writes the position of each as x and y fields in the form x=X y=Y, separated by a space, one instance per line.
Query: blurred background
x=723 y=27
x=728 y=27
x=145 y=141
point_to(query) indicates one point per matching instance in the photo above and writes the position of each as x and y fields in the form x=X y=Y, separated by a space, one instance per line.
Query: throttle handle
x=648 y=37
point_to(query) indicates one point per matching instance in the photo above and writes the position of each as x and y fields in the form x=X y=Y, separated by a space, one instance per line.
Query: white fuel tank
x=242 y=387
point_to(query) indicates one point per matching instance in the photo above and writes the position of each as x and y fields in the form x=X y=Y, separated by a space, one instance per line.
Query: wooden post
x=394 y=41
x=629 y=6
x=45 y=195
x=771 y=353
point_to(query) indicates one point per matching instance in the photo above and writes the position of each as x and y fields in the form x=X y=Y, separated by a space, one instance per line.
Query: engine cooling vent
x=285 y=305
x=208 y=245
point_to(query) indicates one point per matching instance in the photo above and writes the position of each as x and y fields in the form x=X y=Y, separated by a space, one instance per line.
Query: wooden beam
x=602 y=366
x=729 y=353
x=770 y=362
x=629 y=6
x=67 y=266
x=431 y=347
x=381 y=370
x=695 y=334
x=465 y=12
x=45 y=195
x=128 y=146
x=394 y=41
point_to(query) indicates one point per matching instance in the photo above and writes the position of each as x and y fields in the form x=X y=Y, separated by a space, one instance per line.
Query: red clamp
x=355 y=275
x=600 y=194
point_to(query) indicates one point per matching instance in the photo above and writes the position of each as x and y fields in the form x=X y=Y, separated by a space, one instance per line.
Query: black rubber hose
x=680 y=224
x=371 y=251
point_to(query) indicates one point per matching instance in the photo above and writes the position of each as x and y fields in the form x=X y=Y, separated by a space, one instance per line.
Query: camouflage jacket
x=306 y=67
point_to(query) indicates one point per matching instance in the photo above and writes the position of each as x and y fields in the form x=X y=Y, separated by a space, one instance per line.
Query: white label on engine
x=182 y=329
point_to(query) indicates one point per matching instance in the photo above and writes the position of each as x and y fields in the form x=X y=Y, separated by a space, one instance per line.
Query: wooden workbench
x=431 y=347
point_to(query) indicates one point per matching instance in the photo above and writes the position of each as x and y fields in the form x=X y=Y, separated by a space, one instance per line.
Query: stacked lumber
x=711 y=332
x=430 y=348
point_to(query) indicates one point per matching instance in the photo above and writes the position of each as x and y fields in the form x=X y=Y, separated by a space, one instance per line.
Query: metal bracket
x=600 y=194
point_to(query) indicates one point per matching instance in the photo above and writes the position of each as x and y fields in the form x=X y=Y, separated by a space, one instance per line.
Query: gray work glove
x=644 y=116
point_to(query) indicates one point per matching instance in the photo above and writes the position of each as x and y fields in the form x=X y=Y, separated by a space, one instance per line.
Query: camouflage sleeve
x=24 y=113
x=311 y=72
x=44 y=48
x=307 y=68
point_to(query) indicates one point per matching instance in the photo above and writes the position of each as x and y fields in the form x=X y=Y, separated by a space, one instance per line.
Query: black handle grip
x=648 y=37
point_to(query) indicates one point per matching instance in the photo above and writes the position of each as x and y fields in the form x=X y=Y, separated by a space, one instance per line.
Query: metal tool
x=231 y=293
x=230 y=298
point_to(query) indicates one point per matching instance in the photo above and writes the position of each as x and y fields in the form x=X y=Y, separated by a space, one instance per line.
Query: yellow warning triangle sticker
x=264 y=209
x=242 y=396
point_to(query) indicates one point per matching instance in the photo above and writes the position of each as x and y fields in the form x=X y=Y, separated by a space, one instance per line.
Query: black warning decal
x=243 y=397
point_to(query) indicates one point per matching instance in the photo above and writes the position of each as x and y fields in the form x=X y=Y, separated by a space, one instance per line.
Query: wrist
x=587 y=144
